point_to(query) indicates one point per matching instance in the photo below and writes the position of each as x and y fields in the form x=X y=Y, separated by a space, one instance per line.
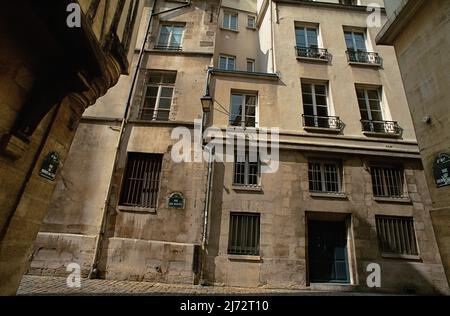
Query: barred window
x=244 y=234
x=158 y=97
x=396 y=235
x=387 y=182
x=324 y=177
x=246 y=169
x=141 y=182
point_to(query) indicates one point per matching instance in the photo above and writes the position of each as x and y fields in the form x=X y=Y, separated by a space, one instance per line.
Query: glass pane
x=169 y=77
x=374 y=105
x=377 y=116
x=312 y=37
x=250 y=100
x=306 y=88
x=360 y=42
x=308 y=109
x=373 y=94
x=349 y=41
x=223 y=63
x=250 y=67
x=226 y=20
x=164 y=103
x=150 y=102
x=176 y=40
x=360 y=93
x=236 y=109
x=166 y=92
x=152 y=91
x=250 y=110
x=300 y=36
x=231 y=64
x=322 y=111
x=320 y=89
x=233 y=22
x=307 y=99
x=321 y=100
x=162 y=115
x=164 y=35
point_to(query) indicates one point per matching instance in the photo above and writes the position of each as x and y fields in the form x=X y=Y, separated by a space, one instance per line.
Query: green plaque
x=441 y=170
x=176 y=200
x=50 y=166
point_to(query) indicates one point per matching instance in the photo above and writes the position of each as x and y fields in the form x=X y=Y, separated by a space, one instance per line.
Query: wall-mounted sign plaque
x=441 y=170
x=176 y=200
x=50 y=166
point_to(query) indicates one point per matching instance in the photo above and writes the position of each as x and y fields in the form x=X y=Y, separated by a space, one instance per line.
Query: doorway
x=328 y=251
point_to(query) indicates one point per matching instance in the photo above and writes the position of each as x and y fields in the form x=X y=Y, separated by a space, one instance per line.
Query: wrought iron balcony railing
x=329 y=122
x=381 y=127
x=369 y=58
x=170 y=47
x=313 y=52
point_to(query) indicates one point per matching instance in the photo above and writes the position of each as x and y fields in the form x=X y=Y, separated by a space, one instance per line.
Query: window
x=243 y=110
x=170 y=37
x=387 y=182
x=158 y=97
x=141 y=182
x=324 y=177
x=356 y=41
x=230 y=21
x=315 y=105
x=246 y=169
x=243 y=238
x=227 y=62
x=251 y=22
x=369 y=101
x=307 y=37
x=396 y=235
x=250 y=65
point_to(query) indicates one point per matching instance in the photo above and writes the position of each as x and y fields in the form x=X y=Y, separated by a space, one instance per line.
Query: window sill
x=384 y=135
x=393 y=200
x=354 y=63
x=230 y=30
x=251 y=28
x=341 y=196
x=312 y=59
x=135 y=209
x=244 y=258
x=400 y=256
x=247 y=188
x=322 y=130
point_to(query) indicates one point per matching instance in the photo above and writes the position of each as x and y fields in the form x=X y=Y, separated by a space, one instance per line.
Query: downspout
x=272 y=37
x=94 y=268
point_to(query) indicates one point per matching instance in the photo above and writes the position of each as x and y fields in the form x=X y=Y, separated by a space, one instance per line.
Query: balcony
x=312 y=53
x=381 y=128
x=364 y=58
x=328 y=124
x=171 y=48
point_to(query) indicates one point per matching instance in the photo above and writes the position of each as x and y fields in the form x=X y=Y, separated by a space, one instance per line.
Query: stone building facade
x=51 y=70
x=419 y=32
x=349 y=191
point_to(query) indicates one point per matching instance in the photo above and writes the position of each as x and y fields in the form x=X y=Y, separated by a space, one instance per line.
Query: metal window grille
x=158 y=96
x=387 y=182
x=324 y=177
x=142 y=178
x=244 y=234
x=396 y=235
x=246 y=172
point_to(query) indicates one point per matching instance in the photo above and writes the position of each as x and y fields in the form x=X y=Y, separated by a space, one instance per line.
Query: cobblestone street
x=45 y=285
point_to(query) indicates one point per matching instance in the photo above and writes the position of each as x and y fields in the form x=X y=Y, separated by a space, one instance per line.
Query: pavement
x=50 y=285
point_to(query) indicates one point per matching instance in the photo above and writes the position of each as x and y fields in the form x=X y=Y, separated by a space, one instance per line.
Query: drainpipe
x=94 y=267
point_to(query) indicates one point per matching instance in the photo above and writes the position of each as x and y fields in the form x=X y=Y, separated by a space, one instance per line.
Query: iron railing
x=396 y=235
x=312 y=52
x=141 y=182
x=382 y=127
x=175 y=48
x=330 y=122
x=370 y=58
x=244 y=234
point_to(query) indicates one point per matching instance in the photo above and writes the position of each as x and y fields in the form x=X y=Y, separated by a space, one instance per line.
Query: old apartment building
x=349 y=190
x=50 y=72
x=419 y=30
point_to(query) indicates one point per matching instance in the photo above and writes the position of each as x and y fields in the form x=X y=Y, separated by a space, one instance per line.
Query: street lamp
x=207 y=103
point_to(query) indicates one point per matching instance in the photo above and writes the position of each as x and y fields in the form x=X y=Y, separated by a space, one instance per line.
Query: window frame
x=127 y=206
x=367 y=101
x=252 y=61
x=160 y=87
x=168 y=46
x=246 y=175
x=227 y=57
x=251 y=18
x=383 y=168
x=230 y=14
x=243 y=105
x=305 y=31
x=339 y=172
x=254 y=251
x=353 y=32
x=383 y=231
